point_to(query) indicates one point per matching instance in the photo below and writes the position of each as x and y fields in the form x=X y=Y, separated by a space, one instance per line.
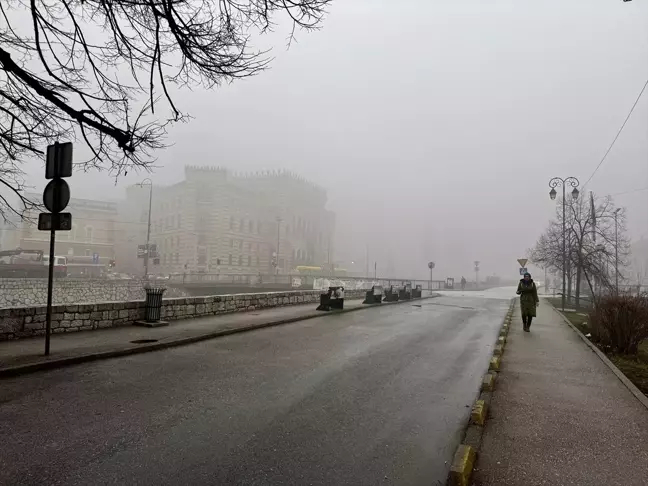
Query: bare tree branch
x=62 y=80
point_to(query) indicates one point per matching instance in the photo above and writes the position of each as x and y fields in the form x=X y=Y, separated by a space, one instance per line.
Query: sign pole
x=50 y=273
x=50 y=283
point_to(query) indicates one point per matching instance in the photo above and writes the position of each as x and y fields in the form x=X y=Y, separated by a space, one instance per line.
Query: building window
x=241 y=227
x=229 y=259
x=231 y=223
x=240 y=261
x=231 y=242
x=179 y=221
x=88 y=233
x=249 y=261
x=251 y=226
x=259 y=227
x=257 y=261
x=88 y=252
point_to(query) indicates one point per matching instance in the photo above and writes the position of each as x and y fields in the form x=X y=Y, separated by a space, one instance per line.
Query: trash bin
x=417 y=292
x=333 y=299
x=153 y=304
x=391 y=295
x=374 y=296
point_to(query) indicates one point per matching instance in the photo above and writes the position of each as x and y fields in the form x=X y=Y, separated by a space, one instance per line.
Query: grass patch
x=585 y=305
x=579 y=319
x=635 y=368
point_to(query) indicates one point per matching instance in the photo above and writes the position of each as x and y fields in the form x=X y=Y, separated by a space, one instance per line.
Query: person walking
x=528 y=293
x=463 y=283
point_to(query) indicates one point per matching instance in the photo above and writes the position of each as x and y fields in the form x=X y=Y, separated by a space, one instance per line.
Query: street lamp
x=431 y=266
x=279 y=220
x=558 y=182
x=616 y=248
x=148 y=182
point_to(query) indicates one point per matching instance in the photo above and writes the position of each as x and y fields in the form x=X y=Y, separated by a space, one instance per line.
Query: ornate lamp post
x=558 y=182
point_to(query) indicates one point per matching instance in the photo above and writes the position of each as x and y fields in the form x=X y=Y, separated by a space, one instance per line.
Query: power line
x=630 y=192
x=618 y=133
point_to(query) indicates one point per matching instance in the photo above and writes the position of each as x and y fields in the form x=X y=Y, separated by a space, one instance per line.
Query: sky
x=434 y=125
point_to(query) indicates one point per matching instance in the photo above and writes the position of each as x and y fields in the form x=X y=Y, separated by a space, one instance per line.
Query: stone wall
x=27 y=292
x=21 y=322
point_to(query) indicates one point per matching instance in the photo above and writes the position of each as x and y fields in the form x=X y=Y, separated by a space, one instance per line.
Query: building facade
x=215 y=221
x=89 y=246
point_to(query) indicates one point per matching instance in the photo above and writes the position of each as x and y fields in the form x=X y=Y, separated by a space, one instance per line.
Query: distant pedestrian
x=463 y=283
x=528 y=300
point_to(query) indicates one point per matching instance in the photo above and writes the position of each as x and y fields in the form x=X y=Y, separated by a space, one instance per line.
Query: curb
x=465 y=456
x=462 y=465
x=23 y=369
x=617 y=372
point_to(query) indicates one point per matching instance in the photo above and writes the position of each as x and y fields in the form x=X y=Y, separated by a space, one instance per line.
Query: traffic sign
x=59 y=221
x=141 y=251
x=523 y=261
x=58 y=162
x=523 y=270
x=56 y=195
x=431 y=265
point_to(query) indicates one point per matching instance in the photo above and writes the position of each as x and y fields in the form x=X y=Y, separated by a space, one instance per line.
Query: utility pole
x=375 y=270
x=616 y=248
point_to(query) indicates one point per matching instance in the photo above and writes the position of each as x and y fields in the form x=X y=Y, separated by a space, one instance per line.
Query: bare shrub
x=620 y=322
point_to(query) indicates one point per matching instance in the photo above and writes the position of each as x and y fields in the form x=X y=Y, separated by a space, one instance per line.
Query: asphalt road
x=367 y=398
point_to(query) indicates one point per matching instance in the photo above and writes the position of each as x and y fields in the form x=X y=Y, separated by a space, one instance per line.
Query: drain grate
x=144 y=341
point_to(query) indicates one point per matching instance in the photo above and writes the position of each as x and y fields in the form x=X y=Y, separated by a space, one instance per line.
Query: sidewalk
x=559 y=415
x=26 y=355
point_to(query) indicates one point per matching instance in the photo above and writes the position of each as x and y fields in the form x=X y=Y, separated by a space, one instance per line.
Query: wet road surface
x=367 y=398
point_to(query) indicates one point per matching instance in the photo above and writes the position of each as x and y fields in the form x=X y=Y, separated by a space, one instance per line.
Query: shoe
x=526 y=329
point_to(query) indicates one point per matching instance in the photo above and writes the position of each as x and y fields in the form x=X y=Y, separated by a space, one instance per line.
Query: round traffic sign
x=431 y=265
x=56 y=195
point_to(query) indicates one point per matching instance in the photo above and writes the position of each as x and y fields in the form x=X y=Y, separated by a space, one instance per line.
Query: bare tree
x=97 y=69
x=591 y=253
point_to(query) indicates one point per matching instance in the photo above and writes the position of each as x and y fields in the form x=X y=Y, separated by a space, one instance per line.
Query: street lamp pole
x=558 y=182
x=278 y=242
x=616 y=248
x=148 y=182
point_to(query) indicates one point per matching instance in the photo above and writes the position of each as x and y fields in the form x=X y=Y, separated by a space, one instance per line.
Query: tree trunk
x=578 y=281
x=569 y=281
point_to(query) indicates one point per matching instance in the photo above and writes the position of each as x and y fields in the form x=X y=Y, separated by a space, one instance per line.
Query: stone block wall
x=21 y=322
x=27 y=292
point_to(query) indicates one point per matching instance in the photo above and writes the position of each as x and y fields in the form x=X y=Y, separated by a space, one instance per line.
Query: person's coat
x=528 y=297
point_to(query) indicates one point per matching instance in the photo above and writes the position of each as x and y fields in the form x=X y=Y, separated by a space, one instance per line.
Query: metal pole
x=278 y=243
x=50 y=283
x=564 y=251
x=616 y=250
x=367 y=262
x=431 y=277
x=375 y=269
x=50 y=273
x=148 y=233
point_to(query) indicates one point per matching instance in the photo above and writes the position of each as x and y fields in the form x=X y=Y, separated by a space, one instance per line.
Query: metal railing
x=299 y=281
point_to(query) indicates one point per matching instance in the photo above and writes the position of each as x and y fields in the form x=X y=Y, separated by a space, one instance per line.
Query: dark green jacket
x=528 y=297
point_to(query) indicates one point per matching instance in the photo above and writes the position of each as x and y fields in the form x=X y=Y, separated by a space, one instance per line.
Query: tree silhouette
x=97 y=70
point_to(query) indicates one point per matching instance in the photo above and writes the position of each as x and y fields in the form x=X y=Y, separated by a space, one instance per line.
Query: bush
x=620 y=322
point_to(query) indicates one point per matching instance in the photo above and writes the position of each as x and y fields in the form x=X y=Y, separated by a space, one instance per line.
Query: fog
x=435 y=126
